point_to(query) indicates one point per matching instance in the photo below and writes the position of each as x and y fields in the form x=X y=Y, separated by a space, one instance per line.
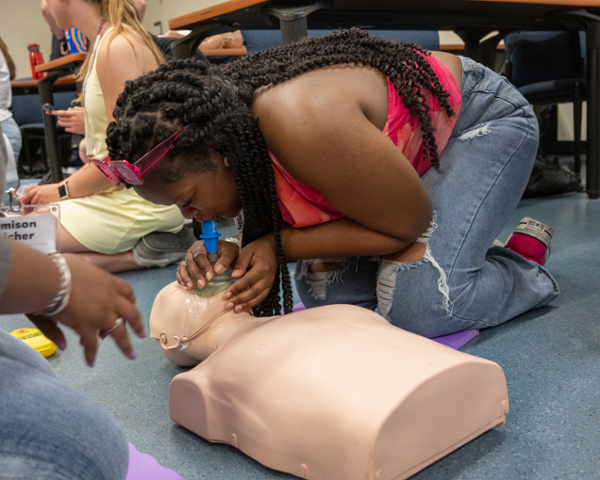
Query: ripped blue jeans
x=460 y=283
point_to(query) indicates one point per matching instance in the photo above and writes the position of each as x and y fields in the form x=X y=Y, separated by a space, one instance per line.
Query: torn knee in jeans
x=478 y=131
x=320 y=273
x=386 y=280
x=410 y=257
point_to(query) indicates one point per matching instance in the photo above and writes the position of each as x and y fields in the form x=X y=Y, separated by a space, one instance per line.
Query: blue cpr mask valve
x=210 y=236
x=211 y=240
x=220 y=282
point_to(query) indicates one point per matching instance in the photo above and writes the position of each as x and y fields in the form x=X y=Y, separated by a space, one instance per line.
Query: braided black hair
x=218 y=99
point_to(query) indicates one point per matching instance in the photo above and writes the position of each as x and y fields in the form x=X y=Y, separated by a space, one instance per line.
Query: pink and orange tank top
x=302 y=206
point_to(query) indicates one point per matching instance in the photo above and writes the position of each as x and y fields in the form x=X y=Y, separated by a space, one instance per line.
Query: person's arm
x=340 y=238
x=96 y=299
x=28 y=292
x=85 y=181
x=58 y=32
x=140 y=8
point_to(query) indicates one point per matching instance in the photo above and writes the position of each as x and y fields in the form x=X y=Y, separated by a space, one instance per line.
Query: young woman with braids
x=327 y=145
x=102 y=220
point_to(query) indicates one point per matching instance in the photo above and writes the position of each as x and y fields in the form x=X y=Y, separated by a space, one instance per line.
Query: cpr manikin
x=331 y=393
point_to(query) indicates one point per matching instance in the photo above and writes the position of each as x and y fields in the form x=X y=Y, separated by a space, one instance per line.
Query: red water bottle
x=35 y=58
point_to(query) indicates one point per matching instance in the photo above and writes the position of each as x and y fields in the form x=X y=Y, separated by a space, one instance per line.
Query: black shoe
x=46 y=179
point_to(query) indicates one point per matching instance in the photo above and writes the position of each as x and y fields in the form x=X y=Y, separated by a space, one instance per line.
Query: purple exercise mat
x=458 y=339
x=144 y=467
x=454 y=340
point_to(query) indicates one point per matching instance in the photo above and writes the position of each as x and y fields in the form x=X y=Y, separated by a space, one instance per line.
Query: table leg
x=292 y=20
x=50 y=133
x=471 y=37
x=593 y=109
x=485 y=51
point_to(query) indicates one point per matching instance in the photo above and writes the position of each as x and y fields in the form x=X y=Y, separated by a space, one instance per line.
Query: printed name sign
x=36 y=231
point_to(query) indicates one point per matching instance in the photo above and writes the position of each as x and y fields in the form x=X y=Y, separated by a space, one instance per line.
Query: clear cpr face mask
x=197 y=307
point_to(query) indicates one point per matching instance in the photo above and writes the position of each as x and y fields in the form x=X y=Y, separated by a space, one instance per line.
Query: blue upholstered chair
x=256 y=40
x=549 y=68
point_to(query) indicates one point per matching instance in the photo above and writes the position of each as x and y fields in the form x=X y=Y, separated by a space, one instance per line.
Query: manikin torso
x=327 y=393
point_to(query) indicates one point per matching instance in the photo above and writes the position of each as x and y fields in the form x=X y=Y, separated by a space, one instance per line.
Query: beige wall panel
x=163 y=10
x=21 y=23
x=565 y=122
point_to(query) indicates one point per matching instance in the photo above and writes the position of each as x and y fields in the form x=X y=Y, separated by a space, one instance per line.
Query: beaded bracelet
x=61 y=300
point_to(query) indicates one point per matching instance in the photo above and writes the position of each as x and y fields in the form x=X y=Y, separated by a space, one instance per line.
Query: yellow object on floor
x=36 y=340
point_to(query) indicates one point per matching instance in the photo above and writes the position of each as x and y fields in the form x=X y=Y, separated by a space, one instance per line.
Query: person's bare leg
x=116 y=262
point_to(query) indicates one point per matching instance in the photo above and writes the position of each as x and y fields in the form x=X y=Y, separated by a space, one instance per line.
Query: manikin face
x=189 y=327
x=203 y=196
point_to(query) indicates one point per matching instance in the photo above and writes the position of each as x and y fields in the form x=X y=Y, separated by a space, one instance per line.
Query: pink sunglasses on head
x=117 y=170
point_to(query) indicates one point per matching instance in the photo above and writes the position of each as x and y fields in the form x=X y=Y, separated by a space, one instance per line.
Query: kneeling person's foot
x=532 y=240
x=159 y=249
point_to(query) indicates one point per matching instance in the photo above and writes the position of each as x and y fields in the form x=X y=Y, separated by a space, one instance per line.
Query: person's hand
x=64 y=47
x=171 y=34
x=211 y=43
x=72 y=119
x=257 y=262
x=98 y=299
x=196 y=269
x=40 y=194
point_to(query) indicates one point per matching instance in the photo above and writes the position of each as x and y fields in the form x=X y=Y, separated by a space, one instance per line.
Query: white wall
x=565 y=122
x=21 y=23
x=164 y=10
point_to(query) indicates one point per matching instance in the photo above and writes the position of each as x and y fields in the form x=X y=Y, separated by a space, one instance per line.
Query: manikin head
x=190 y=326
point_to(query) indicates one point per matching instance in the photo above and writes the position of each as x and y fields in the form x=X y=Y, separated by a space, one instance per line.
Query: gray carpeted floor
x=551 y=359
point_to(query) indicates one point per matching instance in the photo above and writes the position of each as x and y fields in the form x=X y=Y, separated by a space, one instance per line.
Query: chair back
x=427 y=39
x=27 y=109
x=534 y=57
x=256 y=40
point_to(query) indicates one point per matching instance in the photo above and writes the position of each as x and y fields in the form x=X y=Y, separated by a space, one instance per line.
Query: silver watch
x=63 y=191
